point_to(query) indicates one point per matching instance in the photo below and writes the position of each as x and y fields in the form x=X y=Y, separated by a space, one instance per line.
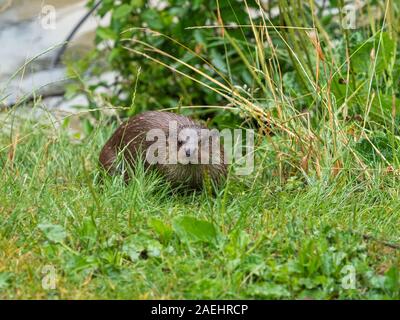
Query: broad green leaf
x=133 y=249
x=192 y=229
x=122 y=11
x=153 y=19
x=218 y=60
x=87 y=126
x=376 y=52
x=137 y=245
x=392 y=280
x=53 y=232
x=153 y=248
x=136 y=3
x=162 y=229
x=5 y=278
x=106 y=33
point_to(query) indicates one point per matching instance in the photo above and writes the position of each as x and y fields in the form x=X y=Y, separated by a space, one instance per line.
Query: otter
x=181 y=149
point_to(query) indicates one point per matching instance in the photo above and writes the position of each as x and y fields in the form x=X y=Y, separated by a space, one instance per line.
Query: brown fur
x=130 y=140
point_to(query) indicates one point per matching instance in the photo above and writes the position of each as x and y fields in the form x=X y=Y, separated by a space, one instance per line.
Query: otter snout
x=188 y=152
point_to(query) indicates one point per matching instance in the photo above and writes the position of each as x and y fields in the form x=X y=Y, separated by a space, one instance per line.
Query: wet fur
x=129 y=140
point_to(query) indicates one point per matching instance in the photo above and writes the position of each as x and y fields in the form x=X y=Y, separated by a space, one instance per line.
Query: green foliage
x=373 y=70
x=156 y=86
x=214 y=37
x=147 y=47
x=53 y=232
x=378 y=147
x=137 y=246
x=323 y=198
x=163 y=230
x=145 y=241
x=192 y=229
x=5 y=278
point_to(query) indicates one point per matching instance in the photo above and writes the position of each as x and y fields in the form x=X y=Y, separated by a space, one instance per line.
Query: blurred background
x=263 y=61
x=31 y=35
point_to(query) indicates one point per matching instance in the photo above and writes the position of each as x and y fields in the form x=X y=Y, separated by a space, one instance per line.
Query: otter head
x=188 y=145
x=197 y=145
x=187 y=153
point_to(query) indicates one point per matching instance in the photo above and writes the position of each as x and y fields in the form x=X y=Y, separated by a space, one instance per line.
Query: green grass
x=321 y=206
x=256 y=239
